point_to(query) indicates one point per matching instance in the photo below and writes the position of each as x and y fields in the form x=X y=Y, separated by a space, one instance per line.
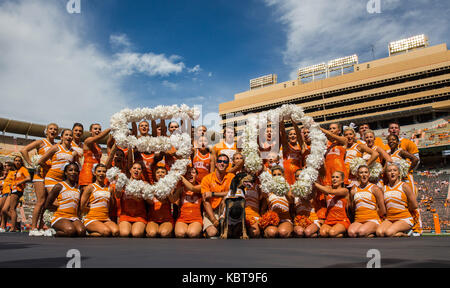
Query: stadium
x=410 y=86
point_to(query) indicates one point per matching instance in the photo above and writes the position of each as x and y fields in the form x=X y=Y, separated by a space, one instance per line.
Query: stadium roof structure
x=30 y=128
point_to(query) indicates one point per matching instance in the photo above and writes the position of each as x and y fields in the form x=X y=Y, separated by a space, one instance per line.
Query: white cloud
x=120 y=41
x=196 y=69
x=210 y=74
x=148 y=63
x=321 y=30
x=171 y=85
x=48 y=72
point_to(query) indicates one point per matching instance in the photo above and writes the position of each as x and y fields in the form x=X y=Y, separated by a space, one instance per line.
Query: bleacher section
x=433 y=189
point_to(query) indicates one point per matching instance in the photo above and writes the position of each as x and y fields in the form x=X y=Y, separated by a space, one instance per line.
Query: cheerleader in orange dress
x=67 y=195
x=280 y=205
x=190 y=222
x=92 y=153
x=336 y=222
x=41 y=146
x=306 y=221
x=335 y=154
x=132 y=212
x=368 y=203
x=97 y=200
x=292 y=151
x=160 y=219
x=400 y=204
x=203 y=160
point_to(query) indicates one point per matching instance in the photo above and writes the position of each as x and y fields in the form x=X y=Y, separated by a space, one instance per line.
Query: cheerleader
x=92 y=153
x=292 y=151
x=41 y=146
x=336 y=221
x=280 y=205
x=190 y=222
x=77 y=133
x=368 y=203
x=400 y=203
x=97 y=200
x=397 y=153
x=203 y=160
x=370 y=140
x=132 y=212
x=335 y=154
x=237 y=163
x=306 y=220
x=173 y=125
x=160 y=219
x=8 y=182
x=21 y=176
x=60 y=155
x=354 y=150
x=67 y=195
x=227 y=146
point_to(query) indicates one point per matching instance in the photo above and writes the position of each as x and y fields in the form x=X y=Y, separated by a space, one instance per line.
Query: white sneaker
x=53 y=231
x=36 y=232
x=2 y=230
x=416 y=234
x=48 y=233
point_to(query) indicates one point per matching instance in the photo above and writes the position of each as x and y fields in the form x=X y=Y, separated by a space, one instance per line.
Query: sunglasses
x=223 y=161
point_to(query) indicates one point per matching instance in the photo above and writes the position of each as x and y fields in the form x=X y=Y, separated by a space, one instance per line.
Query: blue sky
x=67 y=68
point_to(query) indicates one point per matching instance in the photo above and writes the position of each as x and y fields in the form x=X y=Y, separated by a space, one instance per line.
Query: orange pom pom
x=270 y=218
x=302 y=221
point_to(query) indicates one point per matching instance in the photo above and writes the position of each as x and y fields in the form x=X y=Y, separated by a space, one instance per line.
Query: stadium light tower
x=312 y=71
x=263 y=81
x=342 y=63
x=405 y=45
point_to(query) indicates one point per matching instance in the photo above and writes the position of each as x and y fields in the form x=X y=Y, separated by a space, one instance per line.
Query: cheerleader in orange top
x=280 y=205
x=77 y=145
x=117 y=159
x=190 y=222
x=97 y=200
x=133 y=212
x=92 y=153
x=21 y=176
x=306 y=222
x=368 y=203
x=41 y=146
x=354 y=150
x=396 y=153
x=60 y=155
x=337 y=222
x=335 y=155
x=369 y=138
x=203 y=160
x=10 y=173
x=8 y=181
x=160 y=220
x=227 y=146
x=292 y=151
x=67 y=195
x=400 y=202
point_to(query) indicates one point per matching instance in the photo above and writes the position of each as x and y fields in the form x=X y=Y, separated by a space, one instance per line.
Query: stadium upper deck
x=411 y=87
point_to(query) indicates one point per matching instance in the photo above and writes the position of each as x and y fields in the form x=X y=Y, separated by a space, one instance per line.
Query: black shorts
x=18 y=193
